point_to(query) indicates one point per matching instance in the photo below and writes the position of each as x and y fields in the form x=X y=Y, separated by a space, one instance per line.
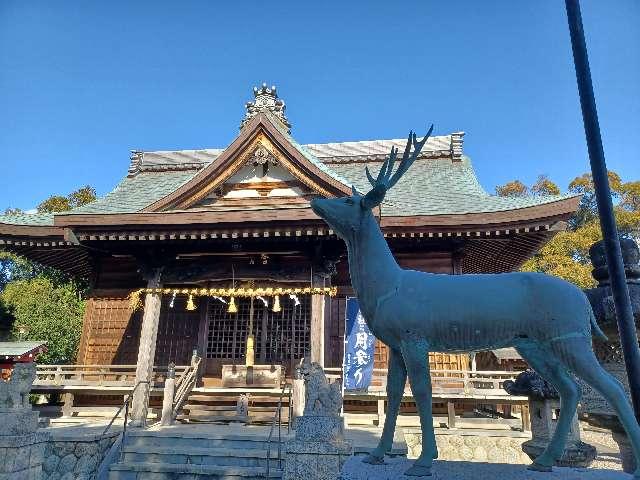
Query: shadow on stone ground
x=394 y=468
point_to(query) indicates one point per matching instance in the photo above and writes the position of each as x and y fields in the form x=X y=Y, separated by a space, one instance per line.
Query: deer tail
x=595 y=328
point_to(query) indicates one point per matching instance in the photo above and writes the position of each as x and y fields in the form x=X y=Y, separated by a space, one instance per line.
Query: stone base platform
x=577 y=454
x=21 y=456
x=318 y=450
x=394 y=469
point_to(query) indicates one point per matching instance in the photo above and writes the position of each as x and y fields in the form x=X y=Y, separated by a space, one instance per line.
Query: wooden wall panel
x=118 y=273
x=177 y=331
x=110 y=331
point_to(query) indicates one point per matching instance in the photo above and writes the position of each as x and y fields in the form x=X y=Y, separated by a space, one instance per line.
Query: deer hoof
x=418 y=471
x=373 y=460
x=536 y=467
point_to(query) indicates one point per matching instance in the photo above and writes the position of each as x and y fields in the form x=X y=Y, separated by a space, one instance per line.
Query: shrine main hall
x=225 y=247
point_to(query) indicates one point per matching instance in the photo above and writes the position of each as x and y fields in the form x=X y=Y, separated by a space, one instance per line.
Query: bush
x=46 y=311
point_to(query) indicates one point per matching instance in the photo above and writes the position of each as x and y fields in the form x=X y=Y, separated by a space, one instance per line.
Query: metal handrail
x=126 y=404
x=278 y=416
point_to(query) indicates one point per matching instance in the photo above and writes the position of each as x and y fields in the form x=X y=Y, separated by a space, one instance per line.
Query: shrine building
x=189 y=224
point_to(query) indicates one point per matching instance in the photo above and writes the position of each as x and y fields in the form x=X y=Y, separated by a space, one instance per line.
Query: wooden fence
x=56 y=376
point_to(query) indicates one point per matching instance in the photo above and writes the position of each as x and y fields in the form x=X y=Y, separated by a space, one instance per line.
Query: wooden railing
x=95 y=375
x=462 y=382
x=185 y=383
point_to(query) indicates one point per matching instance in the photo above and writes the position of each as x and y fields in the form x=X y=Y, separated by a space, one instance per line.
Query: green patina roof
x=439 y=186
x=432 y=186
x=36 y=219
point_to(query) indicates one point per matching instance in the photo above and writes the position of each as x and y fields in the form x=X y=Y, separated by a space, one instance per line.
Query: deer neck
x=374 y=272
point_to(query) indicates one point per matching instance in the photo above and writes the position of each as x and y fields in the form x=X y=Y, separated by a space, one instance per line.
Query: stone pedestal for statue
x=543 y=405
x=319 y=448
x=576 y=453
x=21 y=444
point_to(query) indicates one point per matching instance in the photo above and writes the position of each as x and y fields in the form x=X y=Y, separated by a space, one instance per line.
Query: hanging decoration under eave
x=135 y=297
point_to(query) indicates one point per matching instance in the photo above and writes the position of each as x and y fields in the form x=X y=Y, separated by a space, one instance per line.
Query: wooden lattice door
x=280 y=337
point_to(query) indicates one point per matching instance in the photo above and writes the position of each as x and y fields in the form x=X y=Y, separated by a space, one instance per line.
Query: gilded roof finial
x=266 y=99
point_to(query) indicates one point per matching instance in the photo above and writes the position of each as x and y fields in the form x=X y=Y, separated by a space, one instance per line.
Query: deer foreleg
x=416 y=359
x=396 y=380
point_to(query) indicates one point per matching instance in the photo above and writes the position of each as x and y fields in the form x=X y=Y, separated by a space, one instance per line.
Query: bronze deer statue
x=548 y=320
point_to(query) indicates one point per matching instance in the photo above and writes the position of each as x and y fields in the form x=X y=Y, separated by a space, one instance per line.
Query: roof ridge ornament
x=266 y=100
x=136 y=158
x=456 y=146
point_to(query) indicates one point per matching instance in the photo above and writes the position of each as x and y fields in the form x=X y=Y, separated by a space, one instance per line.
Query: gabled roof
x=441 y=183
x=259 y=130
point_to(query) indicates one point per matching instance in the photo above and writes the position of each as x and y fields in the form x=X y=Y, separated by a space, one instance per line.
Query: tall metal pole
x=626 y=324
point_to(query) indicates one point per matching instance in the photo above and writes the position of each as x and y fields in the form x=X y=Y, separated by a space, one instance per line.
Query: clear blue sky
x=83 y=82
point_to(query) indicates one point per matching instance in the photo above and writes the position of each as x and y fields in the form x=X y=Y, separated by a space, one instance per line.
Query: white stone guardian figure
x=549 y=321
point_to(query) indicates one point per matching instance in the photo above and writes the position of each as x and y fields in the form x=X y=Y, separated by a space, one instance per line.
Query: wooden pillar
x=146 y=351
x=317 y=329
x=169 y=393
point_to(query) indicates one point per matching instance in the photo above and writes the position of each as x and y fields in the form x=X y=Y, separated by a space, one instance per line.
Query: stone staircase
x=195 y=455
x=218 y=408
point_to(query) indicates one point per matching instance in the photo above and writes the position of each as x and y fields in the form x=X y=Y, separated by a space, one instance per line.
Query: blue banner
x=358 y=349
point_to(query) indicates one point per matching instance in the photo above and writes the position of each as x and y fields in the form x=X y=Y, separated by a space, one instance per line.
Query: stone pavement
x=394 y=468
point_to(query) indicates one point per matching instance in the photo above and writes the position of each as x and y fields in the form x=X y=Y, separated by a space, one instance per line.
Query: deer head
x=345 y=214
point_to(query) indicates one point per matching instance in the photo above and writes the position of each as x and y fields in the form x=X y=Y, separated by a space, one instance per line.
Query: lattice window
x=279 y=336
x=287 y=334
x=227 y=332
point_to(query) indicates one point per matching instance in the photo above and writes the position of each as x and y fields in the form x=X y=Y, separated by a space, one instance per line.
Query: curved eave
x=222 y=168
x=558 y=210
x=46 y=245
x=548 y=213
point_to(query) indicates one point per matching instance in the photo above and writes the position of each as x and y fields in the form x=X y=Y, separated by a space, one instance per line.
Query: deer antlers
x=386 y=178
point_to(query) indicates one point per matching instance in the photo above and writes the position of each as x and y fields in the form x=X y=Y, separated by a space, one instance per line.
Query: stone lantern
x=544 y=406
x=594 y=409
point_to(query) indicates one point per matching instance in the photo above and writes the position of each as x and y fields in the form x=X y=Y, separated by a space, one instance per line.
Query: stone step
x=216 y=397
x=238 y=457
x=195 y=439
x=232 y=408
x=148 y=471
x=206 y=417
x=217 y=408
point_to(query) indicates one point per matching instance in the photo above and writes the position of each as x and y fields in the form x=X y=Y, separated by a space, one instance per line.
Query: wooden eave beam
x=529 y=217
x=10 y=230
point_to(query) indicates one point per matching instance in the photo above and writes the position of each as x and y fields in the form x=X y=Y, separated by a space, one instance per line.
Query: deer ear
x=373 y=197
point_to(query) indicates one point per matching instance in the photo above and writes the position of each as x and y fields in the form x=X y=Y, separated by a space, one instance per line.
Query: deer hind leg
x=396 y=379
x=416 y=354
x=579 y=357
x=545 y=362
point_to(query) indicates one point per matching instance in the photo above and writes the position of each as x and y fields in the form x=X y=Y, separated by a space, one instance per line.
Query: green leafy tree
x=41 y=301
x=82 y=196
x=567 y=254
x=588 y=209
x=59 y=203
x=514 y=188
x=544 y=186
x=630 y=196
x=12 y=211
x=43 y=310
x=55 y=203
